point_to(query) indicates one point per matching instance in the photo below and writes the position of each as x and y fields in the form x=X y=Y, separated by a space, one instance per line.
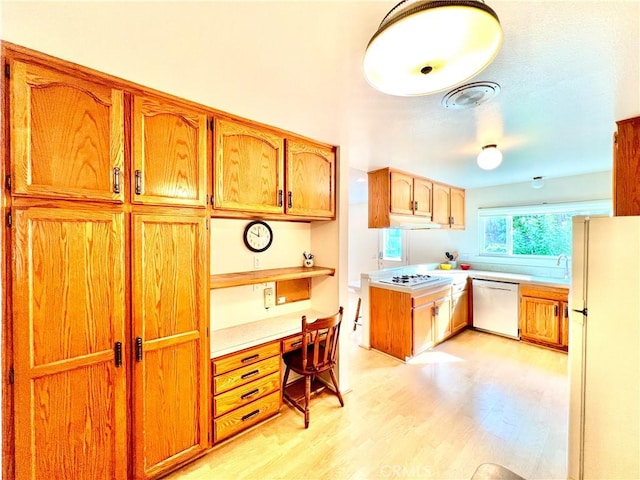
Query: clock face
x=258 y=236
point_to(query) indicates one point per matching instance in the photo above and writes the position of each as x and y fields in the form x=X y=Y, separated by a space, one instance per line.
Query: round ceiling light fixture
x=490 y=157
x=427 y=46
x=470 y=95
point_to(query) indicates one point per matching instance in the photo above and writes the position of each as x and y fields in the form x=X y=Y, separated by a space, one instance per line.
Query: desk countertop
x=234 y=339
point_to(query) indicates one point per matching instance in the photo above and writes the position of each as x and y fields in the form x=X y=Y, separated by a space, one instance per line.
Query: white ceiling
x=568 y=70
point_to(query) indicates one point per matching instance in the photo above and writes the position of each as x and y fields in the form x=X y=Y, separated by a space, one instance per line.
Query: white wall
x=363 y=243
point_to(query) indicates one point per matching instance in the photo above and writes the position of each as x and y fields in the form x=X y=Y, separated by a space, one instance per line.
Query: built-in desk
x=246 y=371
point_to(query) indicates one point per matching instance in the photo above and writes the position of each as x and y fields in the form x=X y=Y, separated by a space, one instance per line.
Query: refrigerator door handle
x=584 y=311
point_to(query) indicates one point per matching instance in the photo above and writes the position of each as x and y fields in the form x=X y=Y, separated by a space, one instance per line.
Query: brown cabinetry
x=460 y=318
x=448 y=206
x=626 y=168
x=404 y=324
x=246 y=389
x=543 y=316
x=392 y=192
x=170 y=320
x=67 y=135
x=69 y=342
x=310 y=180
x=251 y=169
x=169 y=153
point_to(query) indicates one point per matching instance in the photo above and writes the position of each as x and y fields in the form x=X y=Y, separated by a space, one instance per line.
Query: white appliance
x=495 y=307
x=604 y=349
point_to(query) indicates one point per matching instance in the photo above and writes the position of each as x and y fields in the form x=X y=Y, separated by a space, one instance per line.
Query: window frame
x=590 y=207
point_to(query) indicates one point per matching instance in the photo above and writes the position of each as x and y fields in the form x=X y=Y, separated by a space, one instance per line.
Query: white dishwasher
x=495 y=307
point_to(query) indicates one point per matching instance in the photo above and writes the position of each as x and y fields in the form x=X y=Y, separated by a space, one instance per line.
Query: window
x=392 y=244
x=533 y=230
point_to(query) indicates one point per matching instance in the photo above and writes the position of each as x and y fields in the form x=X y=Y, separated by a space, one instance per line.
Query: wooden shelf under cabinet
x=224 y=280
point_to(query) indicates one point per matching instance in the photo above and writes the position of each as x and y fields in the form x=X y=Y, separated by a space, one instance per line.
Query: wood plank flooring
x=476 y=398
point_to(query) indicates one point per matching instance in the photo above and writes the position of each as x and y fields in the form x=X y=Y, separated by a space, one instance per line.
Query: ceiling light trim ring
x=428 y=5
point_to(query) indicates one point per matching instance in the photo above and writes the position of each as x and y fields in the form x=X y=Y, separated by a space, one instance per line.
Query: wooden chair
x=317 y=355
x=357 y=316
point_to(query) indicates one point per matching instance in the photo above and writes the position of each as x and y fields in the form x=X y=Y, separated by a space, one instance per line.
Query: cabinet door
x=310 y=180
x=170 y=316
x=249 y=164
x=423 y=327
x=460 y=313
x=442 y=314
x=456 y=199
x=564 y=325
x=422 y=197
x=441 y=204
x=169 y=154
x=626 y=168
x=401 y=193
x=69 y=311
x=67 y=135
x=539 y=320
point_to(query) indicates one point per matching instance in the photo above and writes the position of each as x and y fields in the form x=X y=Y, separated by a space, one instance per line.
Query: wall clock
x=258 y=236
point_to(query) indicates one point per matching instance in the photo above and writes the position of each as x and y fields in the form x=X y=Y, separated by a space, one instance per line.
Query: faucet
x=566 y=264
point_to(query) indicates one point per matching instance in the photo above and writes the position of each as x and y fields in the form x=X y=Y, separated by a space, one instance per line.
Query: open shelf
x=224 y=280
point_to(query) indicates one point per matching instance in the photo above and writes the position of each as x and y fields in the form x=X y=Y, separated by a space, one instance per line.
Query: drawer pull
x=250 y=394
x=249 y=359
x=296 y=344
x=250 y=374
x=250 y=415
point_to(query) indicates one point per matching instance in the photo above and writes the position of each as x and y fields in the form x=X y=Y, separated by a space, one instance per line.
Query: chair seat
x=293 y=360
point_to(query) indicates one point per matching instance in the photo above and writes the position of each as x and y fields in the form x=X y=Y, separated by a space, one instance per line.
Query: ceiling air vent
x=470 y=95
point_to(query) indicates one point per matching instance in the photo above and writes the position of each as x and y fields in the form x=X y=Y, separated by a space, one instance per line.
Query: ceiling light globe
x=490 y=157
x=424 y=47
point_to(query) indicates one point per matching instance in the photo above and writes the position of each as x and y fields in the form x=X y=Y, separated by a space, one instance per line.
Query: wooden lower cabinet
x=404 y=324
x=70 y=412
x=246 y=389
x=543 y=316
x=460 y=318
x=171 y=349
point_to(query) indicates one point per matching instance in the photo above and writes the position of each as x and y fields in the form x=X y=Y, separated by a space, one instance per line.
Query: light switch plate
x=269 y=298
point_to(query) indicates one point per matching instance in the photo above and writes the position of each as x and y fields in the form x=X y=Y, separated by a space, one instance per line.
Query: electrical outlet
x=282 y=300
x=256 y=261
x=269 y=298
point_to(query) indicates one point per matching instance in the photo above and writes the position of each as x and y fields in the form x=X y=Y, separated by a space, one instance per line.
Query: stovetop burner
x=410 y=280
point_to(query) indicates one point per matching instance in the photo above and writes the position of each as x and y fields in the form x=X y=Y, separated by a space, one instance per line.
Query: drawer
x=245 y=417
x=247 y=357
x=291 y=343
x=225 y=402
x=424 y=299
x=244 y=375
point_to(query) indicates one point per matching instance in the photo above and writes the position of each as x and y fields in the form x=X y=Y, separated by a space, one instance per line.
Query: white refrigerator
x=604 y=349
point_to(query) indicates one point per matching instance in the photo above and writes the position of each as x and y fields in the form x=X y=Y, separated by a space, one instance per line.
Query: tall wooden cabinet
x=110 y=308
x=626 y=168
x=69 y=342
x=170 y=318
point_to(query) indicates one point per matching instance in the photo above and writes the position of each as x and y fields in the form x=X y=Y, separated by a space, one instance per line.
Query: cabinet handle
x=138 y=182
x=555 y=310
x=296 y=344
x=289 y=199
x=250 y=394
x=138 y=349
x=451 y=220
x=117 y=350
x=250 y=374
x=250 y=415
x=566 y=310
x=116 y=180
x=280 y=195
x=415 y=205
x=252 y=357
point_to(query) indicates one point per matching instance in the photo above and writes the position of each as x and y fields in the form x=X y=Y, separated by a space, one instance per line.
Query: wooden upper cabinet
x=422 y=197
x=169 y=153
x=626 y=168
x=70 y=414
x=249 y=168
x=448 y=206
x=170 y=318
x=310 y=177
x=67 y=135
x=401 y=193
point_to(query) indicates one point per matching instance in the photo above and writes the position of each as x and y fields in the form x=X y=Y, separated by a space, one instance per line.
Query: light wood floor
x=476 y=398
